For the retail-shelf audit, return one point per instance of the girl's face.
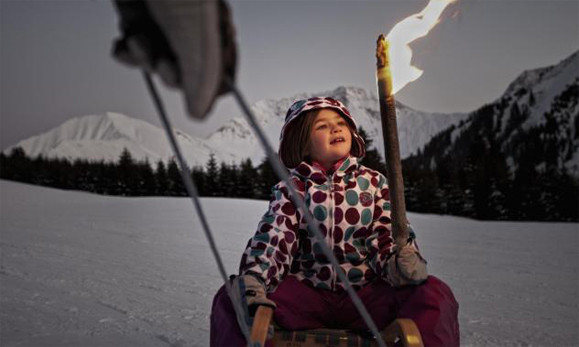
(330, 138)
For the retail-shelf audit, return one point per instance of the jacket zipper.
(331, 225)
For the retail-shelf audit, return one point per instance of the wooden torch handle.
(391, 143)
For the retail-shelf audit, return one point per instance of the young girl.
(284, 267)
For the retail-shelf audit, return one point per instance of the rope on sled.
(194, 194)
(296, 198)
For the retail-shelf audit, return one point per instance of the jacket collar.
(316, 172)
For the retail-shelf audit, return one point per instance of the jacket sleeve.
(380, 243)
(270, 251)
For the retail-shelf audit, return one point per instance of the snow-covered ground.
(86, 270)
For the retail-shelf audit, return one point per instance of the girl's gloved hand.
(252, 290)
(406, 266)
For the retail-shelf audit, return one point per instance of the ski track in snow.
(85, 270)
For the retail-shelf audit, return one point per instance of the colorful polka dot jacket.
(352, 209)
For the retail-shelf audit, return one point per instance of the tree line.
(482, 175)
(475, 184)
(130, 177)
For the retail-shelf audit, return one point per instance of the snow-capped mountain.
(536, 119)
(416, 128)
(103, 137)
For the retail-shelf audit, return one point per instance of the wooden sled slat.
(405, 330)
(402, 332)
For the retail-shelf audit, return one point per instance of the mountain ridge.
(515, 158)
(103, 137)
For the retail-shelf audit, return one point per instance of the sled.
(401, 332)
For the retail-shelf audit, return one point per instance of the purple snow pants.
(431, 305)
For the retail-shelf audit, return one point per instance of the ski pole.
(194, 195)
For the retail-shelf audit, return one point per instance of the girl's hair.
(294, 151)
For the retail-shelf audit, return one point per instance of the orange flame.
(406, 31)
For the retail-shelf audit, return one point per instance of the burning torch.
(397, 41)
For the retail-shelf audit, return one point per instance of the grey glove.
(252, 290)
(143, 43)
(406, 266)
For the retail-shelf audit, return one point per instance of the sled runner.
(401, 332)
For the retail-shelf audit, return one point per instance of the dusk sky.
(55, 60)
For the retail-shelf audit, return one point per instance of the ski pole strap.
(193, 193)
(300, 204)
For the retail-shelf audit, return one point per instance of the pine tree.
(63, 173)
(267, 179)
(248, 177)
(162, 179)
(98, 173)
(2, 162)
(81, 174)
(212, 176)
(126, 169)
(176, 186)
(227, 181)
(148, 184)
(20, 166)
(200, 179)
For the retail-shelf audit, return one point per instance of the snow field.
(86, 270)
